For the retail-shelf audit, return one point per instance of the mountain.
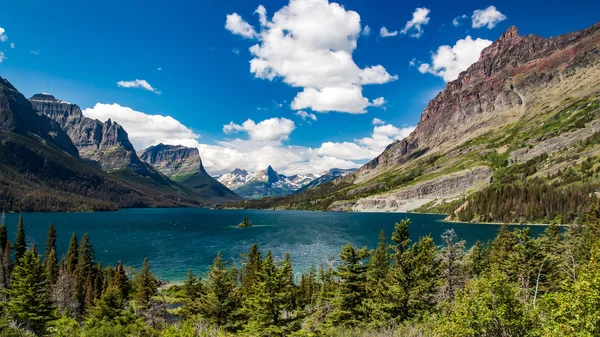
(326, 177)
(40, 168)
(514, 138)
(264, 183)
(184, 165)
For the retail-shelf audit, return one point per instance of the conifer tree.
(265, 305)
(377, 286)
(85, 257)
(289, 288)
(219, 303)
(452, 254)
(477, 260)
(29, 295)
(251, 270)
(145, 286)
(424, 277)
(51, 268)
(50, 241)
(20, 244)
(120, 281)
(401, 271)
(308, 288)
(351, 291)
(72, 254)
(65, 292)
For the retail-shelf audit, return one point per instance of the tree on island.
(246, 223)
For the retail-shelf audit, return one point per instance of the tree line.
(514, 285)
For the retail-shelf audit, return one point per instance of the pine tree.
(424, 277)
(377, 287)
(85, 258)
(50, 241)
(477, 259)
(219, 303)
(145, 286)
(20, 244)
(289, 287)
(120, 281)
(401, 271)
(29, 295)
(452, 254)
(65, 292)
(51, 268)
(72, 254)
(251, 270)
(351, 291)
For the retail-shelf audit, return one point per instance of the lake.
(176, 239)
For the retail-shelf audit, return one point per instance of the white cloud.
(264, 146)
(309, 44)
(487, 17)
(304, 115)
(366, 31)
(420, 18)
(379, 102)
(448, 62)
(2, 57)
(235, 24)
(273, 129)
(144, 129)
(384, 32)
(3, 36)
(412, 62)
(262, 14)
(141, 84)
(457, 20)
(35, 52)
(377, 121)
(12, 45)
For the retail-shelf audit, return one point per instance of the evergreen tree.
(85, 258)
(145, 286)
(72, 254)
(20, 244)
(377, 286)
(51, 268)
(452, 254)
(477, 259)
(29, 295)
(265, 305)
(219, 302)
(351, 291)
(424, 277)
(120, 281)
(50, 241)
(251, 270)
(65, 293)
(401, 271)
(289, 288)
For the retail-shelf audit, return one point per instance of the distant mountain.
(40, 168)
(264, 183)
(184, 165)
(326, 177)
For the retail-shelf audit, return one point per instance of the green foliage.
(20, 244)
(29, 295)
(219, 302)
(144, 286)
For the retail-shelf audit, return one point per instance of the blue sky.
(200, 75)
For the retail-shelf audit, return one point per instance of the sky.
(302, 85)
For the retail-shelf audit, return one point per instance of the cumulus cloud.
(379, 102)
(488, 17)
(273, 129)
(3, 37)
(419, 19)
(309, 45)
(457, 20)
(141, 84)
(448, 62)
(235, 24)
(384, 135)
(144, 129)
(384, 32)
(304, 115)
(366, 31)
(377, 121)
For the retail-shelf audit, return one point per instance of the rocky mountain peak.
(509, 34)
(44, 97)
(239, 171)
(173, 160)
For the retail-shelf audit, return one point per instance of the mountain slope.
(264, 183)
(184, 165)
(518, 124)
(40, 169)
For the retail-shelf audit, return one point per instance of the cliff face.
(105, 144)
(17, 115)
(173, 160)
(511, 76)
(184, 165)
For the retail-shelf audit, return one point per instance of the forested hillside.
(514, 285)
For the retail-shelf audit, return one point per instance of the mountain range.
(267, 182)
(514, 138)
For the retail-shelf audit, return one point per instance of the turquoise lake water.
(180, 238)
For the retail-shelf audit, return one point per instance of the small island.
(245, 224)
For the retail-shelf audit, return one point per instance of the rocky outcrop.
(406, 199)
(173, 160)
(105, 144)
(18, 116)
(184, 165)
(511, 75)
